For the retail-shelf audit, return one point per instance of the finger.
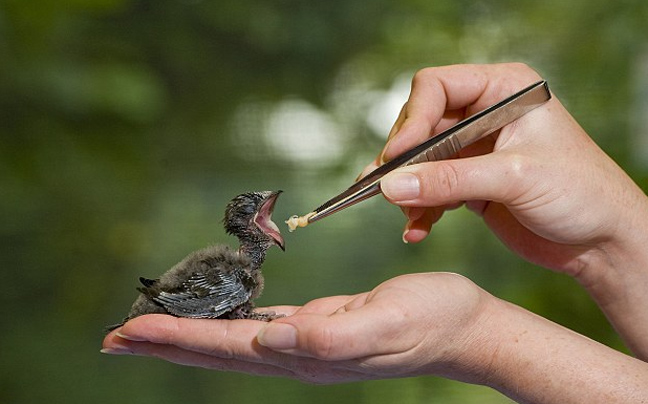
(399, 122)
(365, 331)
(493, 177)
(436, 90)
(369, 168)
(448, 119)
(418, 229)
(174, 354)
(271, 363)
(427, 103)
(225, 339)
(114, 344)
(326, 305)
(378, 161)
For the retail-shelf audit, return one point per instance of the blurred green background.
(126, 126)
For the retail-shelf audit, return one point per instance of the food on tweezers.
(298, 221)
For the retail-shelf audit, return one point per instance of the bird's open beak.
(263, 219)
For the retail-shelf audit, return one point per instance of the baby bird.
(218, 282)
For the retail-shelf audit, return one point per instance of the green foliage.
(127, 126)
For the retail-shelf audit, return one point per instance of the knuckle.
(423, 76)
(527, 72)
(226, 350)
(514, 75)
(445, 183)
(519, 170)
(519, 167)
(322, 344)
(520, 67)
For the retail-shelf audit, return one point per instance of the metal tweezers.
(442, 146)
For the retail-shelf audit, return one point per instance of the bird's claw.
(265, 315)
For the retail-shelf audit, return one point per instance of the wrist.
(618, 282)
(531, 359)
(476, 348)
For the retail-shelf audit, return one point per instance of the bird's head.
(249, 217)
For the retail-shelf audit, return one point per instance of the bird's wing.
(147, 282)
(206, 297)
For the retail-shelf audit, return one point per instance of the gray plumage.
(217, 281)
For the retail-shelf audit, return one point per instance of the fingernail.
(278, 336)
(387, 154)
(366, 171)
(407, 229)
(116, 351)
(400, 187)
(383, 160)
(128, 337)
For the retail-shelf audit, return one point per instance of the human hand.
(419, 324)
(541, 184)
(410, 325)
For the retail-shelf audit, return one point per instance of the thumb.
(486, 177)
(340, 336)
